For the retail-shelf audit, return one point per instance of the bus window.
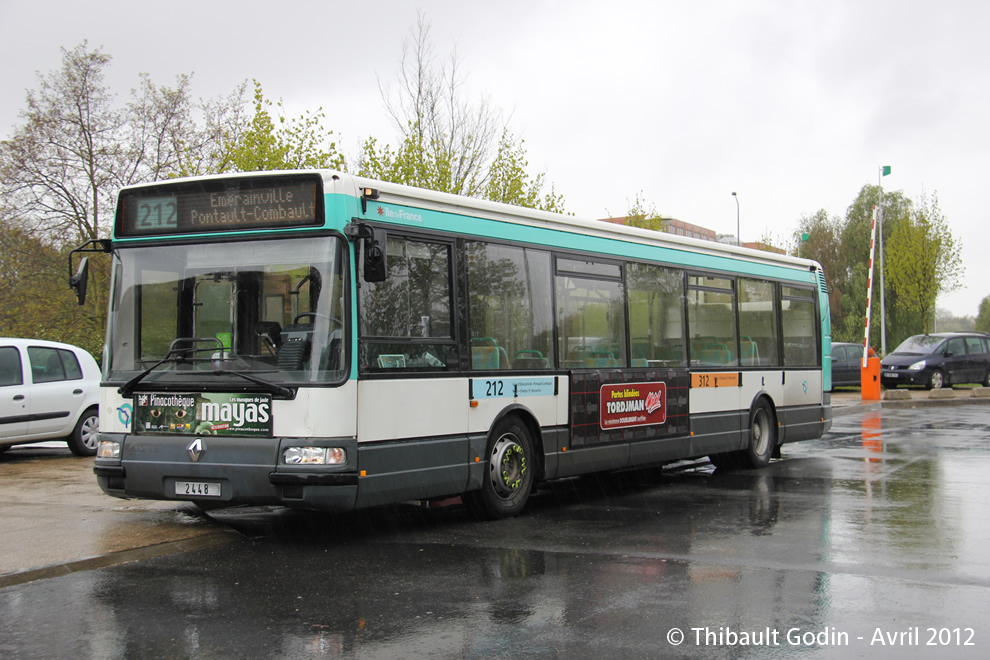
(656, 315)
(712, 321)
(757, 324)
(797, 311)
(590, 322)
(509, 315)
(410, 305)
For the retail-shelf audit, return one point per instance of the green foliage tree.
(278, 143)
(447, 143)
(644, 214)
(983, 316)
(901, 321)
(60, 173)
(923, 260)
(825, 246)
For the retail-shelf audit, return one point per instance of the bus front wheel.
(509, 473)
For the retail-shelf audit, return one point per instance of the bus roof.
(341, 183)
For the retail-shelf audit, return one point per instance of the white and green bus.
(318, 340)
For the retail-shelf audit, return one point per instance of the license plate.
(890, 374)
(197, 489)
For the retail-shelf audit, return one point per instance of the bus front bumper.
(232, 471)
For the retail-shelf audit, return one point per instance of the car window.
(838, 353)
(10, 366)
(72, 369)
(46, 364)
(855, 352)
(975, 345)
(955, 346)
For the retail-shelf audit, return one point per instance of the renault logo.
(196, 449)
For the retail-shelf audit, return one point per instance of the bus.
(318, 340)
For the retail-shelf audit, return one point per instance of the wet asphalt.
(870, 542)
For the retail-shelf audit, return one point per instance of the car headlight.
(917, 366)
(314, 456)
(108, 449)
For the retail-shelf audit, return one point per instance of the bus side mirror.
(374, 243)
(78, 281)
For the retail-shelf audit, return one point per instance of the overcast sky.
(793, 105)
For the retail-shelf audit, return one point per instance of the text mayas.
(238, 413)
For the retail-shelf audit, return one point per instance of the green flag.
(886, 170)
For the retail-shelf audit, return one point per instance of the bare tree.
(446, 142)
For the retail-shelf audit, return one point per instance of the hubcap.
(507, 466)
(90, 432)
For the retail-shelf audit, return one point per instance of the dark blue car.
(938, 360)
(847, 361)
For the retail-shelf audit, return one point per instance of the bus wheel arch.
(512, 466)
(762, 438)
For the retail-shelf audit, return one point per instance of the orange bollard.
(869, 379)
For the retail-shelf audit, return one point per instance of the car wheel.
(986, 379)
(85, 437)
(936, 380)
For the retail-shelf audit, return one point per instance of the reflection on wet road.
(868, 543)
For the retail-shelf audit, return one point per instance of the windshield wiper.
(275, 388)
(127, 389)
(174, 355)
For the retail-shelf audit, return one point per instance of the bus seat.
(484, 357)
(484, 353)
(530, 359)
(601, 359)
(749, 352)
(296, 340)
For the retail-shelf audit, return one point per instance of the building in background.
(681, 228)
(678, 227)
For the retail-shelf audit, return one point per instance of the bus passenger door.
(213, 311)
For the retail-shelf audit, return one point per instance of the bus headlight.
(108, 449)
(314, 456)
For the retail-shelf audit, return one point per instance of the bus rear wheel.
(509, 474)
(762, 436)
(762, 442)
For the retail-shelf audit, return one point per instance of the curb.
(120, 557)
(946, 399)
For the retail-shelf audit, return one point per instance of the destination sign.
(221, 205)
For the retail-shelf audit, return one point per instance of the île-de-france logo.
(398, 214)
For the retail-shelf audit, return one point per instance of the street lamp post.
(738, 238)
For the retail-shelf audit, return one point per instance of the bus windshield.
(218, 315)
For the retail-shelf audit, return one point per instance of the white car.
(48, 391)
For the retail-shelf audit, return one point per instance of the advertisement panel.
(203, 413)
(633, 404)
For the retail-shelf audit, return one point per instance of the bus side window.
(509, 313)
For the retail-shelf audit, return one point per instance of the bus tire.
(762, 436)
(509, 474)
